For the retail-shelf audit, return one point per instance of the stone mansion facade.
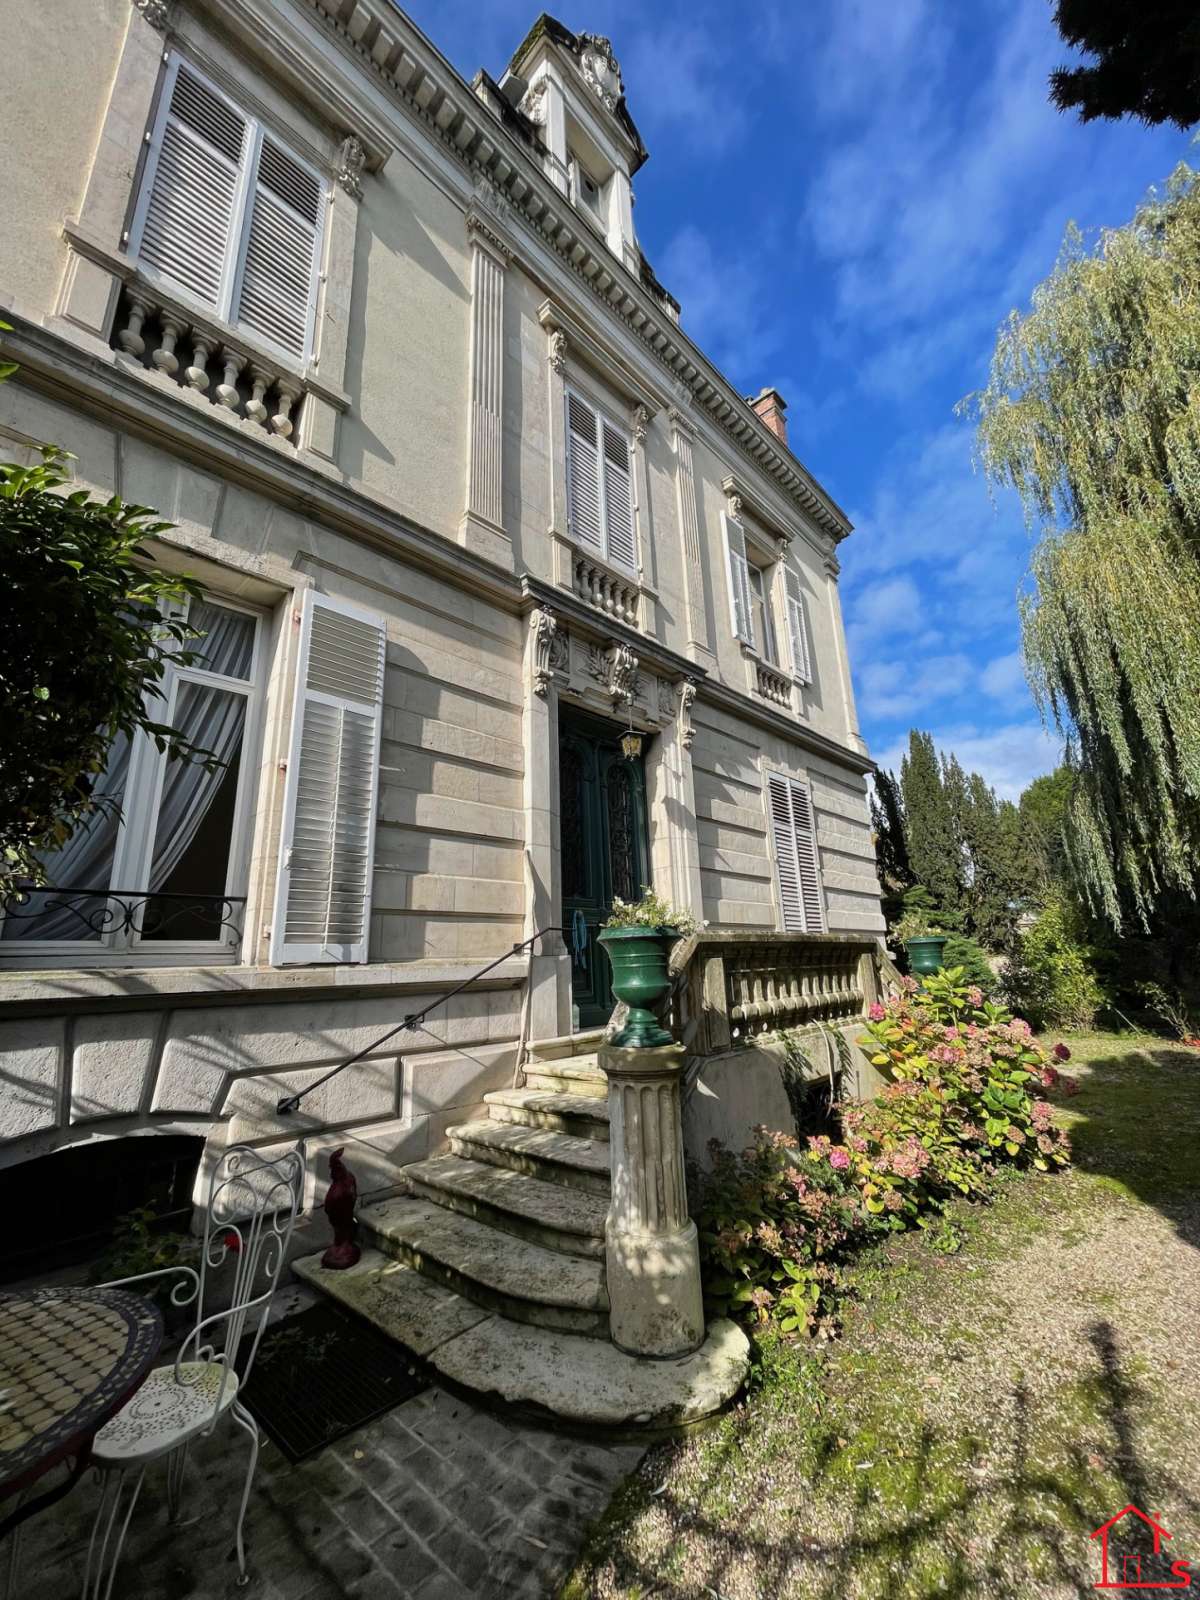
(467, 504)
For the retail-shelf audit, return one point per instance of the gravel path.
(985, 1409)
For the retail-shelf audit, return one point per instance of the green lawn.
(1004, 1383)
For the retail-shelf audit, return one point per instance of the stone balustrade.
(602, 589)
(773, 685)
(731, 987)
(199, 356)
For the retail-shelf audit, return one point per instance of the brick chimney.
(770, 406)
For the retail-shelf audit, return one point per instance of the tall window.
(229, 216)
(764, 622)
(794, 833)
(599, 482)
(159, 870)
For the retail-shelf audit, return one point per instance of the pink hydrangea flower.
(1061, 1053)
(876, 1012)
(975, 995)
(839, 1159)
(1049, 1077)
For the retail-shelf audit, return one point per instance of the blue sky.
(847, 197)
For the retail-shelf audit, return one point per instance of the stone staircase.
(491, 1264)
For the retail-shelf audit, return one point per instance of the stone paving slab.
(436, 1501)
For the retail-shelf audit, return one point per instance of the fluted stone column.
(651, 1249)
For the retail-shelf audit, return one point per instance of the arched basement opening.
(61, 1208)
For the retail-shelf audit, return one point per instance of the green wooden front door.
(602, 818)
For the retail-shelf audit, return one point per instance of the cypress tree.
(930, 829)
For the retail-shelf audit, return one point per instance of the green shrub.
(1052, 976)
(971, 957)
(966, 1096)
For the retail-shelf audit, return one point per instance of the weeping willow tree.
(1092, 412)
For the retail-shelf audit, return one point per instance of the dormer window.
(586, 192)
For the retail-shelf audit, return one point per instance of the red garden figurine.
(340, 1200)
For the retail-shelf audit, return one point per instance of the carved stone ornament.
(479, 232)
(560, 651)
(735, 507)
(641, 422)
(544, 626)
(352, 161)
(558, 350)
(622, 673)
(687, 697)
(600, 69)
(533, 103)
(156, 12)
(666, 698)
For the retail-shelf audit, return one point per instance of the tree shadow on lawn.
(1135, 1126)
(1036, 1519)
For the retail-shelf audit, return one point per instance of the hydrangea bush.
(967, 1095)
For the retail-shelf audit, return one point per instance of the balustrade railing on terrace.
(730, 987)
(615, 596)
(200, 356)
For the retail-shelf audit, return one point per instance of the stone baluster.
(130, 337)
(652, 1256)
(260, 382)
(164, 358)
(202, 349)
(289, 393)
(227, 390)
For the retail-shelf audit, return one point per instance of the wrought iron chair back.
(251, 1210)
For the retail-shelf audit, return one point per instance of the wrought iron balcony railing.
(151, 914)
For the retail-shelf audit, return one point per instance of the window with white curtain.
(159, 870)
(228, 215)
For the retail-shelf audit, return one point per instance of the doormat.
(321, 1374)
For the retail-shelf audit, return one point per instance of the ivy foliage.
(1092, 412)
(88, 631)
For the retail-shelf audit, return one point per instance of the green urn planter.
(925, 953)
(640, 977)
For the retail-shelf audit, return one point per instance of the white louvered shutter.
(277, 284)
(323, 900)
(738, 567)
(783, 831)
(797, 627)
(794, 834)
(189, 210)
(583, 472)
(805, 829)
(618, 496)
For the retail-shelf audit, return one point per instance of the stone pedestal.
(652, 1254)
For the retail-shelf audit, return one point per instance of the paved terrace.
(438, 1500)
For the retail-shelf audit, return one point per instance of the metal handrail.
(289, 1102)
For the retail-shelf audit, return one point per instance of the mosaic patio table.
(69, 1360)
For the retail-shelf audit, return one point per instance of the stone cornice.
(604, 361)
(400, 57)
(335, 96)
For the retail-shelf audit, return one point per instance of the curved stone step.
(512, 1276)
(583, 1383)
(555, 1157)
(578, 1075)
(576, 1114)
(548, 1214)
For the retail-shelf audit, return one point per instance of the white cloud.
(891, 690)
(1004, 678)
(1008, 757)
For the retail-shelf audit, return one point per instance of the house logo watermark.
(1123, 1569)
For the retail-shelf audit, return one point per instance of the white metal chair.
(251, 1211)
